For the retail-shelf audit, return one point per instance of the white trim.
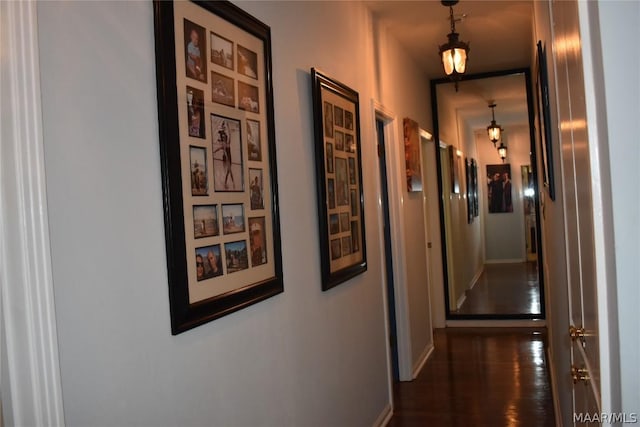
(384, 417)
(555, 392)
(461, 300)
(422, 360)
(31, 386)
(475, 279)
(507, 323)
(396, 202)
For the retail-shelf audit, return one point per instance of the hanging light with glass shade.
(494, 130)
(454, 53)
(502, 151)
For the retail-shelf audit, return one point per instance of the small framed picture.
(195, 49)
(236, 256)
(233, 218)
(329, 157)
(339, 185)
(227, 154)
(338, 116)
(339, 138)
(247, 62)
(254, 148)
(331, 193)
(198, 161)
(208, 262)
(256, 190)
(334, 224)
(348, 120)
(248, 97)
(328, 120)
(344, 221)
(336, 252)
(257, 242)
(205, 221)
(195, 112)
(222, 89)
(221, 51)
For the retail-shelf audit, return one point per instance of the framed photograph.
(474, 182)
(220, 258)
(499, 193)
(411, 131)
(469, 190)
(544, 120)
(339, 187)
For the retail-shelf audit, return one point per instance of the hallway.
(479, 377)
(511, 288)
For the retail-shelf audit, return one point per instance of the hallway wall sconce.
(502, 151)
(494, 130)
(454, 52)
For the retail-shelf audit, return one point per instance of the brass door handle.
(577, 334)
(579, 374)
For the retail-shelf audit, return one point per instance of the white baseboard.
(476, 277)
(506, 323)
(384, 417)
(554, 387)
(505, 261)
(422, 360)
(461, 301)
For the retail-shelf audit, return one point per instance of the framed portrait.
(499, 191)
(469, 188)
(338, 179)
(544, 120)
(411, 131)
(222, 235)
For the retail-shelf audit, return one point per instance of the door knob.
(579, 374)
(577, 334)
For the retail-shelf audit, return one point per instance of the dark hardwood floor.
(505, 289)
(479, 377)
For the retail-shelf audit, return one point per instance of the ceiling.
(500, 38)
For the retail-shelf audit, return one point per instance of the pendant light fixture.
(494, 130)
(502, 151)
(454, 52)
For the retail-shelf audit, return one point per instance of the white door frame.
(30, 374)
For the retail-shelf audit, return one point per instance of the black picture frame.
(544, 120)
(196, 297)
(342, 249)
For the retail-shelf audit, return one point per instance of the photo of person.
(339, 140)
(348, 120)
(338, 116)
(205, 221)
(355, 237)
(248, 96)
(346, 245)
(328, 120)
(352, 171)
(329, 148)
(256, 189)
(221, 51)
(499, 188)
(253, 140)
(195, 48)
(342, 183)
(344, 221)
(198, 161)
(222, 91)
(331, 193)
(227, 154)
(335, 249)
(195, 112)
(247, 62)
(233, 218)
(208, 262)
(334, 224)
(258, 243)
(354, 202)
(237, 256)
(349, 143)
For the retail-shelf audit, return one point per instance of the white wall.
(504, 233)
(305, 357)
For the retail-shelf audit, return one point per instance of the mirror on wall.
(489, 209)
